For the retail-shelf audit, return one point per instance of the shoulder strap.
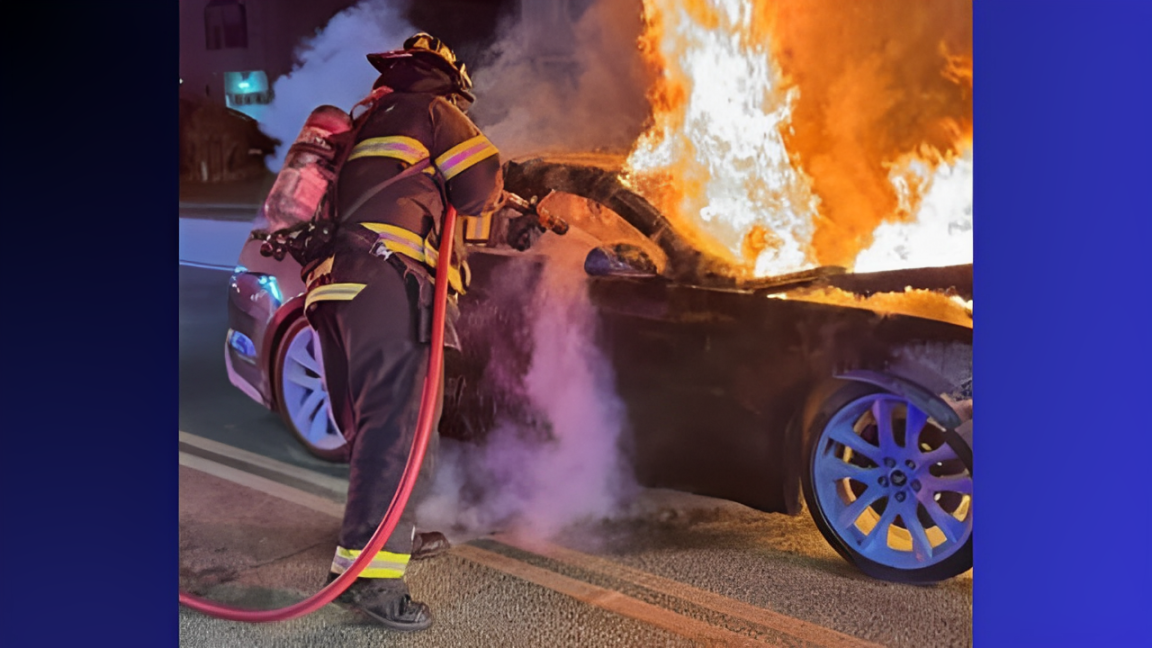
(406, 173)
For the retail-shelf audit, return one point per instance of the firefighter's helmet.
(428, 48)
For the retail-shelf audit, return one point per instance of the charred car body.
(741, 389)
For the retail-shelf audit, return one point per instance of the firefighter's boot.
(387, 602)
(429, 545)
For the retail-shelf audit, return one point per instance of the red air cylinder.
(309, 169)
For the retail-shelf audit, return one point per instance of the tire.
(301, 395)
(899, 514)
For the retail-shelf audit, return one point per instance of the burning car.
(848, 392)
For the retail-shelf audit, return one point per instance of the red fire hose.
(407, 481)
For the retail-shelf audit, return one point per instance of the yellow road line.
(802, 630)
(615, 602)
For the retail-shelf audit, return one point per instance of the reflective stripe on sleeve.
(385, 565)
(477, 228)
(405, 149)
(333, 292)
(462, 157)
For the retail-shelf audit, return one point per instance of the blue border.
(1062, 237)
(89, 476)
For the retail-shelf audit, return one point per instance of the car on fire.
(752, 390)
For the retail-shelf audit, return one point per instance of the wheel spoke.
(882, 411)
(298, 376)
(913, 426)
(301, 355)
(921, 546)
(844, 434)
(848, 516)
(312, 403)
(950, 526)
(319, 427)
(941, 454)
(880, 531)
(833, 469)
(952, 484)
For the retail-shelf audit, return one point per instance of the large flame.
(789, 135)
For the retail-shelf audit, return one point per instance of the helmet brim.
(382, 61)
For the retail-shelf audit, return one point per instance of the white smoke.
(557, 84)
(520, 480)
(331, 68)
(550, 83)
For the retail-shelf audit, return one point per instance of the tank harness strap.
(398, 147)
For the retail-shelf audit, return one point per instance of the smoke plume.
(569, 469)
(554, 84)
(553, 80)
(880, 81)
(331, 68)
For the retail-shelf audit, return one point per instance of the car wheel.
(886, 489)
(298, 374)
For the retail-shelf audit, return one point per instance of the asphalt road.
(258, 518)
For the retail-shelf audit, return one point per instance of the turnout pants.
(375, 362)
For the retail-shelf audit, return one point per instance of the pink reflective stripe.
(459, 162)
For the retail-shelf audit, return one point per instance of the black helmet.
(427, 48)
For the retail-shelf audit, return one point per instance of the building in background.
(233, 51)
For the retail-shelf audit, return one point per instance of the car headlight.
(242, 344)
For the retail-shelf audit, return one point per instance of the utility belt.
(403, 256)
(387, 242)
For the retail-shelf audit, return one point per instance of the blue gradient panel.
(1061, 353)
(89, 475)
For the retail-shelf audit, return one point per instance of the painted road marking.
(263, 484)
(337, 486)
(802, 630)
(609, 600)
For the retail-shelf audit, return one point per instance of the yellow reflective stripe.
(319, 271)
(385, 564)
(333, 292)
(402, 148)
(477, 228)
(408, 243)
(461, 157)
(396, 231)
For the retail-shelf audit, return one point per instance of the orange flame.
(784, 134)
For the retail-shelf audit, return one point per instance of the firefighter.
(370, 299)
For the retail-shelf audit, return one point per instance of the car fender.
(285, 315)
(933, 405)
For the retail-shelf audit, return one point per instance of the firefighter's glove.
(524, 231)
